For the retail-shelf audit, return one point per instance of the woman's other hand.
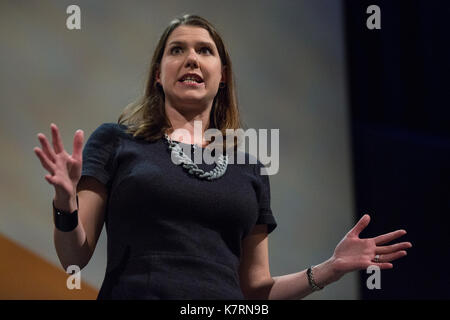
(353, 253)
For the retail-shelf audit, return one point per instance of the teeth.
(189, 80)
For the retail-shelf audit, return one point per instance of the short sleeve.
(265, 215)
(99, 153)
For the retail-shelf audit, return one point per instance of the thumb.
(360, 225)
(49, 179)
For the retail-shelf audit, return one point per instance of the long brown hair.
(146, 118)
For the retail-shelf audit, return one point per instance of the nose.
(191, 60)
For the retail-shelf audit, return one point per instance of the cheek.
(216, 73)
(167, 72)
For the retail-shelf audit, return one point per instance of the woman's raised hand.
(64, 169)
(353, 253)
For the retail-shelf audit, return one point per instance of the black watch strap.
(65, 221)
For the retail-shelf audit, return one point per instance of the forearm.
(71, 247)
(295, 285)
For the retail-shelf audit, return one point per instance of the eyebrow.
(202, 43)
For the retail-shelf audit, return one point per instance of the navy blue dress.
(171, 235)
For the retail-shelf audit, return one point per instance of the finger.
(393, 248)
(49, 179)
(382, 265)
(392, 256)
(53, 180)
(56, 137)
(46, 163)
(388, 237)
(361, 225)
(47, 148)
(78, 145)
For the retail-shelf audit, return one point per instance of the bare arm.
(77, 246)
(256, 281)
(296, 285)
(351, 254)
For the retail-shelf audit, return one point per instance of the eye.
(206, 50)
(175, 50)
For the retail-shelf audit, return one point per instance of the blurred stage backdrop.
(291, 67)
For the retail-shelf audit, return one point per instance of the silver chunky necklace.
(182, 158)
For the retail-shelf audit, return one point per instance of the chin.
(191, 97)
(190, 100)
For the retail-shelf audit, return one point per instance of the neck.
(188, 124)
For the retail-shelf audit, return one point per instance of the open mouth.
(191, 79)
(191, 83)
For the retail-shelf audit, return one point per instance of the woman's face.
(190, 50)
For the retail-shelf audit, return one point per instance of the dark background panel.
(400, 124)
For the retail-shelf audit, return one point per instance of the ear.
(224, 74)
(158, 75)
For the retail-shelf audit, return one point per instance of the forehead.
(190, 34)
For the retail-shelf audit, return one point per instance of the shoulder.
(261, 169)
(111, 128)
(249, 161)
(107, 136)
(109, 131)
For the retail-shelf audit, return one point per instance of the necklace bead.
(182, 158)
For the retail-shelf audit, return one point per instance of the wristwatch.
(63, 220)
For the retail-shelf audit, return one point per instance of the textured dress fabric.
(171, 235)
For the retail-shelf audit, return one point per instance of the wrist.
(325, 273)
(67, 203)
(65, 221)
